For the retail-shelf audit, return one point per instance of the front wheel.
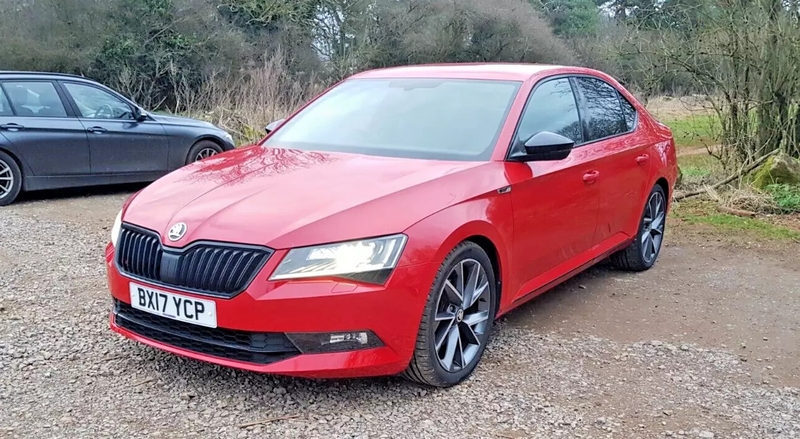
(644, 250)
(458, 318)
(202, 150)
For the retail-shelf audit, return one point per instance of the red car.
(382, 228)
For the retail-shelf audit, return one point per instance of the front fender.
(432, 239)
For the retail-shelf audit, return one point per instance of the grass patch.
(698, 169)
(694, 130)
(706, 214)
(787, 197)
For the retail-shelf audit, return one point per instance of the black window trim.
(8, 100)
(583, 106)
(546, 79)
(63, 85)
(70, 114)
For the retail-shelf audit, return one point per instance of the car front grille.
(250, 347)
(211, 268)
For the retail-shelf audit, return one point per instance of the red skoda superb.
(382, 228)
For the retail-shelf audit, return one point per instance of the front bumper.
(392, 312)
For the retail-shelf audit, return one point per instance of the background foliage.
(241, 61)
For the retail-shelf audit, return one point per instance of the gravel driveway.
(707, 344)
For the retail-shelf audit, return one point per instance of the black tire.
(9, 166)
(200, 147)
(425, 367)
(633, 257)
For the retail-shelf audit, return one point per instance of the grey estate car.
(60, 131)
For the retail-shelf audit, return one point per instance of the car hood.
(285, 198)
(170, 119)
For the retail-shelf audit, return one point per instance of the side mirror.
(271, 127)
(546, 146)
(139, 114)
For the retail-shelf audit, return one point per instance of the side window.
(551, 108)
(35, 99)
(94, 103)
(629, 112)
(605, 115)
(5, 107)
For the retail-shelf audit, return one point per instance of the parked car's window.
(630, 113)
(35, 99)
(445, 119)
(94, 103)
(5, 106)
(605, 116)
(552, 108)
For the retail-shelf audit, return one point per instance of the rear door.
(42, 129)
(555, 202)
(624, 164)
(118, 143)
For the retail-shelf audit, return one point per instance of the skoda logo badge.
(177, 231)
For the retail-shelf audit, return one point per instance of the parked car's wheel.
(458, 318)
(643, 252)
(10, 179)
(203, 150)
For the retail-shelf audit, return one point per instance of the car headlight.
(116, 229)
(369, 260)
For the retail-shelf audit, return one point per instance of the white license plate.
(174, 306)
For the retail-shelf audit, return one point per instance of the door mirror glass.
(546, 146)
(272, 126)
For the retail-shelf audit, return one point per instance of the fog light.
(360, 337)
(322, 342)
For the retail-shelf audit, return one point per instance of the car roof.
(507, 71)
(39, 75)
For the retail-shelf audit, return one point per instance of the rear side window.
(5, 107)
(35, 99)
(629, 112)
(605, 116)
(552, 108)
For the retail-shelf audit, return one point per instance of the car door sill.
(35, 183)
(595, 255)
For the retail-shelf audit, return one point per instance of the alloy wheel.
(205, 153)
(6, 179)
(653, 227)
(462, 315)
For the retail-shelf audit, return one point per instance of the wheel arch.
(665, 185)
(23, 169)
(490, 248)
(483, 233)
(218, 140)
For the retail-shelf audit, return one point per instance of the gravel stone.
(548, 372)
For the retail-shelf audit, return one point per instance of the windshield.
(441, 119)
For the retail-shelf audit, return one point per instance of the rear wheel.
(203, 150)
(457, 321)
(10, 179)
(643, 252)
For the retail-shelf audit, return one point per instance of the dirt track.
(705, 344)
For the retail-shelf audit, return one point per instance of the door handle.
(642, 159)
(96, 130)
(12, 127)
(591, 177)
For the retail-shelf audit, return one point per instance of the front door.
(36, 122)
(555, 202)
(118, 143)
